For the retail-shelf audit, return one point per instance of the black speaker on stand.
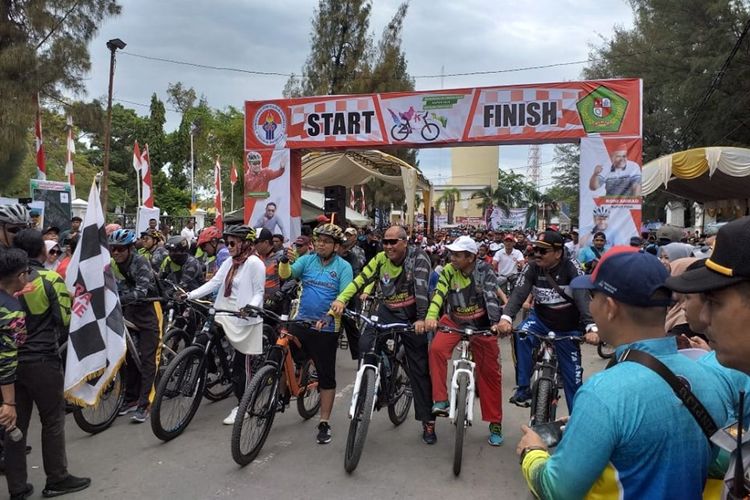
(334, 204)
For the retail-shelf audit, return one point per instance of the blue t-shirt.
(221, 256)
(320, 285)
(630, 436)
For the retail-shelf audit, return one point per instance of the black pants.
(417, 365)
(40, 383)
(352, 335)
(139, 386)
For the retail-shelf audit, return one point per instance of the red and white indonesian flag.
(363, 203)
(71, 150)
(233, 174)
(219, 223)
(147, 187)
(137, 158)
(96, 344)
(41, 166)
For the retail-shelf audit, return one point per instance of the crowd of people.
(663, 302)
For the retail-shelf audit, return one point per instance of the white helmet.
(15, 214)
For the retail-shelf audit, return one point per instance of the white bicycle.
(462, 390)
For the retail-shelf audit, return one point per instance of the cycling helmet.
(331, 230)
(208, 234)
(15, 214)
(246, 233)
(177, 244)
(153, 233)
(111, 228)
(121, 237)
(601, 211)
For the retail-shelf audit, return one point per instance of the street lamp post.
(112, 45)
(193, 130)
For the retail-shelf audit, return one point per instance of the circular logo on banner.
(269, 123)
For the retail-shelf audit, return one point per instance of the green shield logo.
(602, 110)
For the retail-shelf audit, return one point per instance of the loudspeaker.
(334, 202)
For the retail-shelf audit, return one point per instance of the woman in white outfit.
(240, 281)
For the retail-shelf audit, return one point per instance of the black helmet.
(246, 233)
(177, 244)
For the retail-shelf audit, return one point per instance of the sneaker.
(141, 414)
(428, 433)
(522, 397)
(231, 417)
(496, 435)
(127, 408)
(281, 403)
(441, 409)
(324, 433)
(26, 493)
(70, 484)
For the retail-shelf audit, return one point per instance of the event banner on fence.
(489, 115)
(515, 218)
(610, 189)
(267, 186)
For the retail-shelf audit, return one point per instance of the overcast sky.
(457, 35)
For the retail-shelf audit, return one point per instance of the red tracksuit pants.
(487, 375)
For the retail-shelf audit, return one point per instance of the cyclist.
(214, 250)
(13, 218)
(39, 377)
(547, 277)
(323, 275)
(180, 267)
(508, 261)
(466, 294)
(238, 282)
(355, 256)
(403, 273)
(152, 248)
(270, 258)
(136, 282)
(590, 256)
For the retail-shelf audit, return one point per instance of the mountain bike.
(382, 380)
(545, 377)
(462, 390)
(271, 390)
(203, 368)
(429, 131)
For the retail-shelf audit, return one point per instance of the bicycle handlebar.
(467, 331)
(551, 336)
(378, 326)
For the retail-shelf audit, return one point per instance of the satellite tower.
(533, 165)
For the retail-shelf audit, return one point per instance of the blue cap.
(628, 276)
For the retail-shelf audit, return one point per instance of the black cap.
(51, 229)
(729, 263)
(263, 235)
(76, 218)
(549, 239)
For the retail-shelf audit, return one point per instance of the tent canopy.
(701, 174)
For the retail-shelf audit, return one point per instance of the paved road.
(128, 461)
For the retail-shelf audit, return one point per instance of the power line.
(207, 66)
(142, 104)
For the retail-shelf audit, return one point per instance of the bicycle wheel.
(218, 382)
(308, 402)
(399, 132)
(95, 419)
(255, 416)
(179, 394)
(355, 440)
(605, 350)
(430, 132)
(540, 402)
(175, 341)
(401, 398)
(460, 421)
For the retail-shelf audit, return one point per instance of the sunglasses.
(231, 244)
(539, 251)
(25, 271)
(54, 252)
(118, 249)
(392, 242)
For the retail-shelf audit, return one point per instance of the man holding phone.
(629, 434)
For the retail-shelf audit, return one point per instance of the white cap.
(49, 245)
(463, 244)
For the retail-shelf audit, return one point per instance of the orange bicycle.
(271, 389)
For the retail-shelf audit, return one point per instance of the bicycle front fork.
(366, 363)
(467, 367)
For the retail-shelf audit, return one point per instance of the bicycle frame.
(463, 365)
(283, 362)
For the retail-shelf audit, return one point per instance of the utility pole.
(112, 45)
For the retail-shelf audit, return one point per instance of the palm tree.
(484, 196)
(449, 198)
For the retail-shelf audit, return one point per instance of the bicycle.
(462, 390)
(186, 380)
(604, 350)
(430, 130)
(263, 395)
(545, 377)
(373, 391)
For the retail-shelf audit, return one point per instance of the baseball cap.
(51, 229)
(263, 235)
(463, 244)
(302, 240)
(549, 239)
(350, 231)
(509, 237)
(729, 263)
(628, 276)
(322, 219)
(76, 218)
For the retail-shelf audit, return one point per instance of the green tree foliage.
(43, 50)
(448, 199)
(565, 178)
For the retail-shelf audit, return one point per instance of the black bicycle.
(382, 380)
(203, 368)
(545, 377)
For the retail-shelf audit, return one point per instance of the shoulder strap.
(680, 389)
(557, 288)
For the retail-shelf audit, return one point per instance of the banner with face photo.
(266, 190)
(610, 189)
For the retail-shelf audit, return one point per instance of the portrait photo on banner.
(610, 189)
(267, 198)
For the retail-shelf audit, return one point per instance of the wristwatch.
(530, 448)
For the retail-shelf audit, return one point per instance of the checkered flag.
(96, 344)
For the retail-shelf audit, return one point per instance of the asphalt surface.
(128, 461)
